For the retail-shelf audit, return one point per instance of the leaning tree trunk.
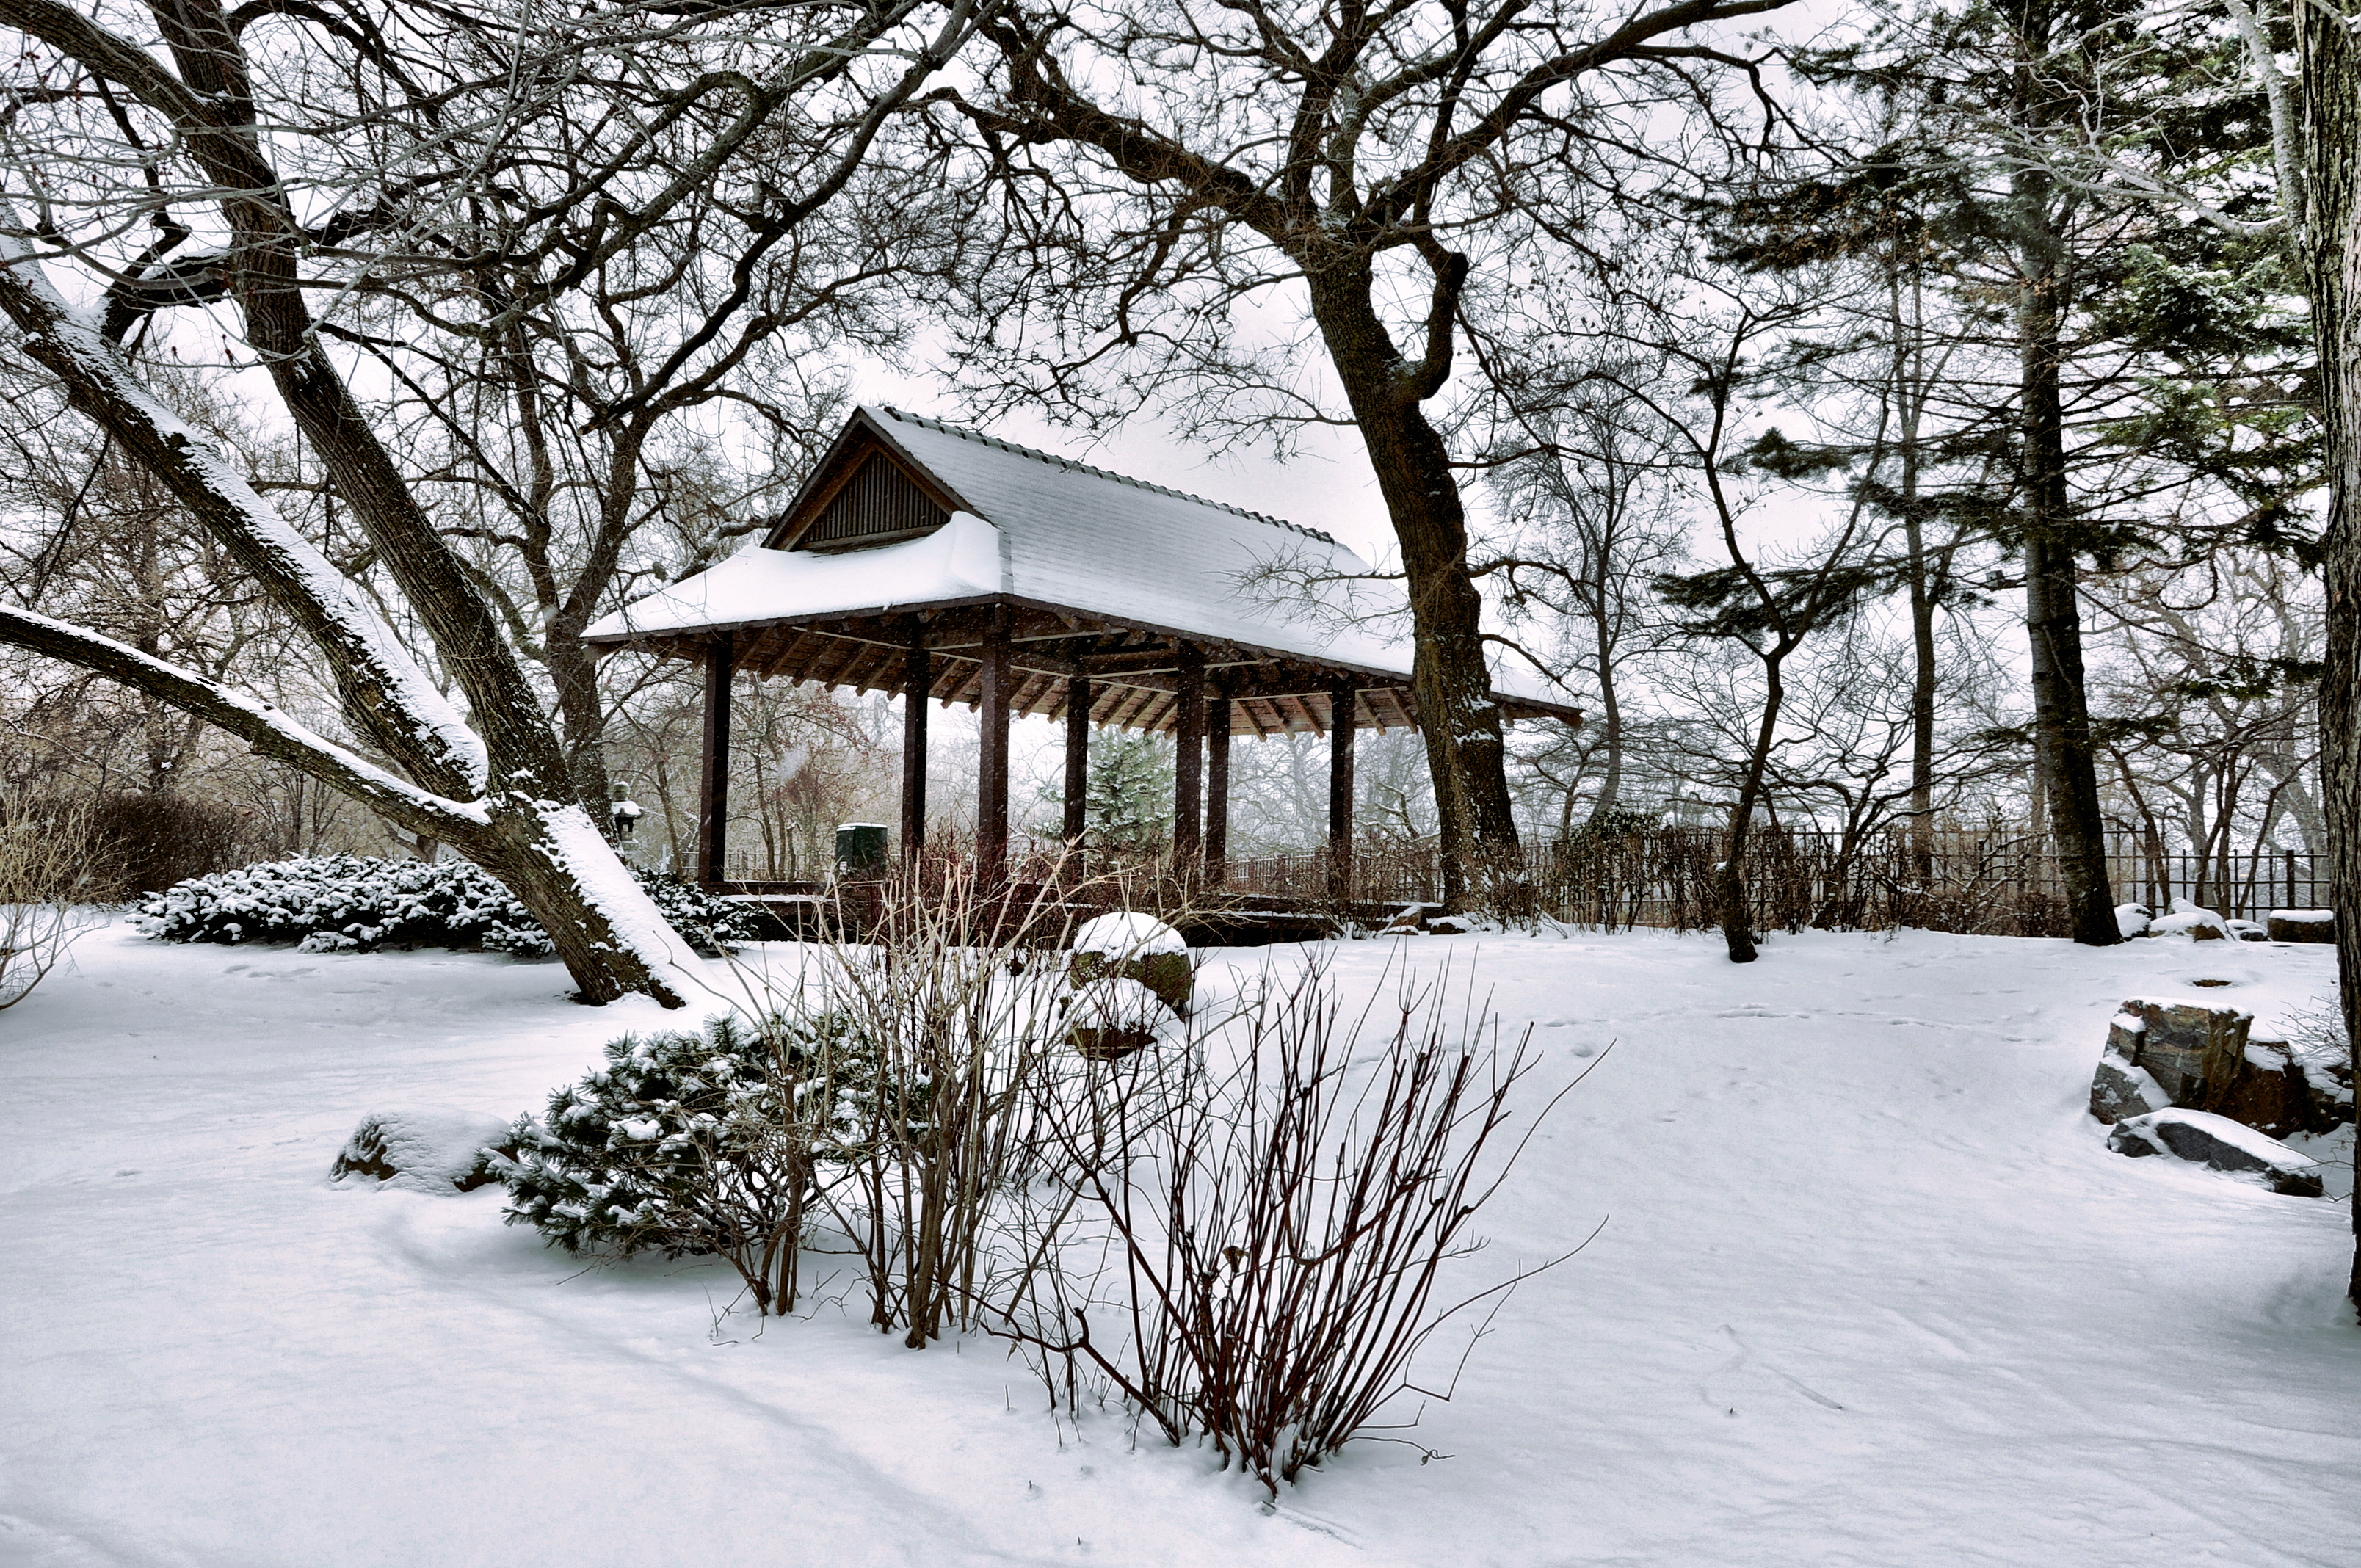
(1450, 677)
(2331, 74)
(2053, 610)
(501, 791)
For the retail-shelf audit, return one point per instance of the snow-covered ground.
(1871, 1291)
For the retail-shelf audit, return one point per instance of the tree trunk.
(2329, 58)
(2053, 611)
(1610, 713)
(1729, 877)
(1450, 677)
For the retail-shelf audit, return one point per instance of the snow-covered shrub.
(692, 1144)
(353, 904)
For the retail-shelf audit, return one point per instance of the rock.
(2201, 1058)
(1110, 1017)
(2188, 920)
(1449, 925)
(2302, 925)
(1135, 947)
(2119, 1090)
(2182, 1046)
(2132, 919)
(2218, 1143)
(426, 1148)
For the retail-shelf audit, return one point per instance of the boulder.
(1112, 1017)
(2180, 1045)
(2188, 920)
(2201, 1058)
(2119, 1090)
(2132, 919)
(2218, 1143)
(2302, 925)
(1135, 948)
(426, 1148)
(1449, 926)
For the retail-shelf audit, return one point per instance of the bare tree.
(358, 153)
(1174, 164)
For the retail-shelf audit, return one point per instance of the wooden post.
(1340, 696)
(713, 763)
(1188, 763)
(1217, 786)
(1078, 698)
(992, 779)
(917, 689)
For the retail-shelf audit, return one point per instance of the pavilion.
(927, 561)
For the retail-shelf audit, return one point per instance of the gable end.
(877, 504)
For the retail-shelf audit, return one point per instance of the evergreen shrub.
(693, 1144)
(356, 903)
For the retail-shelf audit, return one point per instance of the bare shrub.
(1254, 1249)
(44, 890)
(959, 991)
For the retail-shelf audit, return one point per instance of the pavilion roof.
(1087, 552)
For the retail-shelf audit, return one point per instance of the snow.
(1123, 935)
(431, 1148)
(2187, 920)
(2306, 916)
(956, 562)
(1871, 1291)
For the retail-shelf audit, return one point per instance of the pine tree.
(1127, 800)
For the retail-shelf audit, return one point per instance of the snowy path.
(1870, 1292)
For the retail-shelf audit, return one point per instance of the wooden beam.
(917, 681)
(1340, 790)
(713, 764)
(1188, 763)
(1078, 754)
(992, 779)
(1217, 786)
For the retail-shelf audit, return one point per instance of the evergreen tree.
(1127, 800)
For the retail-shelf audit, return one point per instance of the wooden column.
(992, 776)
(1341, 695)
(1217, 785)
(1079, 696)
(918, 690)
(1188, 762)
(713, 763)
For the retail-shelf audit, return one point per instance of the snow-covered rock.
(2218, 1143)
(2119, 1090)
(2188, 920)
(2132, 919)
(425, 1148)
(1128, 934)
(1134, 947)
(2302, 925)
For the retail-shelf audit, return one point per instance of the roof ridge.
(904, 416)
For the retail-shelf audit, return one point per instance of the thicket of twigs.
(45, 889)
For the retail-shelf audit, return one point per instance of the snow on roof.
(1046, 530)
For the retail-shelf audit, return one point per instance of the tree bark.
(1450, 677)
(2330, 59)
(2053, 611)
